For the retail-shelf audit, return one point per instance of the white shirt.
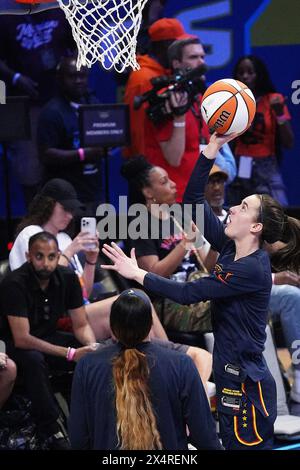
(17, 256)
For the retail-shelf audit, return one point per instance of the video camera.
(189, 81)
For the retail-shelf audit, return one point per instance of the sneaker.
(56, 442)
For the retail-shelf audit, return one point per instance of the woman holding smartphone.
(52, 210)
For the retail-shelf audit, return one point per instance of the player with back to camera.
(239, 290)
(136, 395)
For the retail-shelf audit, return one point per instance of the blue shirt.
(177, 395)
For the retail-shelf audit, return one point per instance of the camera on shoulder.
(189, 81)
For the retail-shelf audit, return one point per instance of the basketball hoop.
(104, 30)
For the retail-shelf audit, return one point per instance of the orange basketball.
(228, 106)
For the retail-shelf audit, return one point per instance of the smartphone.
(88, 224)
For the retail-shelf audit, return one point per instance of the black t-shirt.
(162, 238)
(58, 127)
(33, 44)
(21, 296)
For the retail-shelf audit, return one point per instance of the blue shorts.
(250, 424)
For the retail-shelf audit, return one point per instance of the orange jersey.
(138, 83)
(259, 139)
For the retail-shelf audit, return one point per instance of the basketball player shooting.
(239, 290)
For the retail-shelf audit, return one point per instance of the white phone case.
(88, 224)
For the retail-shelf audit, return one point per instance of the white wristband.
(178, 124)
(273, 278)
(15, 78)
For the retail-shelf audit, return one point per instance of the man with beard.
(33, 298)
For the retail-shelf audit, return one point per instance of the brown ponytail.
(288, 258)
(136, 422)
(131, 321)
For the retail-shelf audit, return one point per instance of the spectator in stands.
(285, 293)
(59, 140)
(240, 290)
(154, 64)
(157, 393)
(169, 254)
(8, 373)
(175, 148)
(30, 49)
(33, 298)
(53, 210)
(173, 142)
(257, 149)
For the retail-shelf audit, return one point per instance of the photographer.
(173, 143)
(162, 34)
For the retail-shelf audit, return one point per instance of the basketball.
(228, 106)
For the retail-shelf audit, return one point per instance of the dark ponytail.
(273, 218)
(137, 172)
(288, 258)
(130, 321)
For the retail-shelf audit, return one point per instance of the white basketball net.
(105, 31)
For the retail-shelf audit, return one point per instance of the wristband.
(179, 124)
(70, 354)
(15, 78)
(273, 278)
(81, 154)
(281, 119)
(92, 264)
